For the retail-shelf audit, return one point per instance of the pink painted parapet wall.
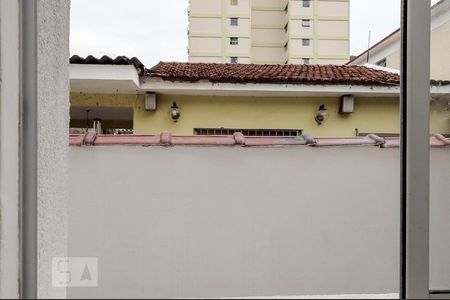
(168, 139)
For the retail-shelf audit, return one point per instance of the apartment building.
(269, 31)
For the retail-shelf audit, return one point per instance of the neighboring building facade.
(386, 53)
(218, 99)
(269, 31)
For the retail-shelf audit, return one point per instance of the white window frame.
(234, 60)
(415, 153)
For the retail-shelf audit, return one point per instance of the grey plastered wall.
(9, 148)
(53, 121)
(224, 222)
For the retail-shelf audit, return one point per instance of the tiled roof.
(252, 73)
(106, 60)
(238, 139)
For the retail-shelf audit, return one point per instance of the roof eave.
(208, 88)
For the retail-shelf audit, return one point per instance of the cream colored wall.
(263, 22)
(199, 7)
(243, 28)
(296, 48)
(324, 61)
(335, 28)
(393, 61)
(268, 19)
(333, 47)
(269, 4)
(242, 9)
(333, 8)
(268, 36)
(210, 59)
(372, 115)
(329, 32)
(271, 55)
(207, 45)
(296, 9)
(297, 30)
(440, 52)
(210, 26)
(242, 49)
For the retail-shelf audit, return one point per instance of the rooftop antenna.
(368, 46)
(87, 118)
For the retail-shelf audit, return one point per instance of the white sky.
(155, 30)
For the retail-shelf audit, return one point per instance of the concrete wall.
(232, 221)
(53, 122)
(9, 149)
(372, 115)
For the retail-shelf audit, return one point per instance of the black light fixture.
(175, 112)
(321, 114)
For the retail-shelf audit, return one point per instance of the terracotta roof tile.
(106, 60)
(252, 73)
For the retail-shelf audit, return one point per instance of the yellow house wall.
(372, 115)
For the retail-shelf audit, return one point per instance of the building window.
(234, 60)
(306, 3)
(249, 132)
(234, 41)
(306, 61)
(234, 2)
(234, 21)
(382, 63)
(306, 23)
(306, 42)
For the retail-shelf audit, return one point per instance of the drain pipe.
(28, 168)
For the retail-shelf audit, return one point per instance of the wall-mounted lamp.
(175, 112)
(321, 115)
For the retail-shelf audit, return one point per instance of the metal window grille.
(234, 41)
(234, 21)
(249, 132)
(234, 60)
